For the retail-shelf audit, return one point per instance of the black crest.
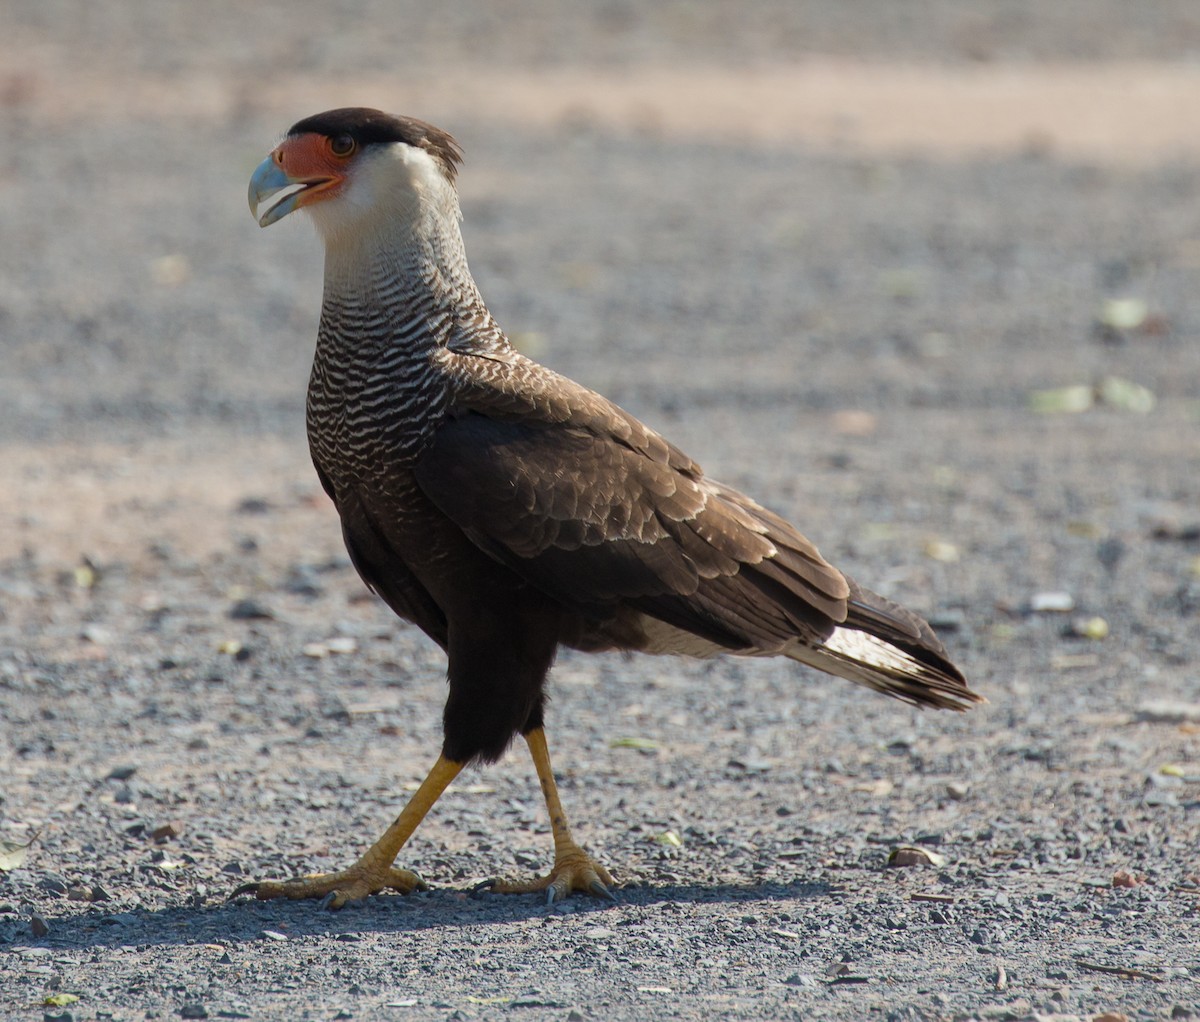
(374, 127)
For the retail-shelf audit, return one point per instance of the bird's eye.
(342, 145)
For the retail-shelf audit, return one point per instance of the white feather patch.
(873, 651)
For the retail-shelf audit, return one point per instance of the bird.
(508, 511)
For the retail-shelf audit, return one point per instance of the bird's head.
(346, 165)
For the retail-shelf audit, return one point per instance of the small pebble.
(1169, 713)
(193, 1009)
(1052, 603)
(948, 621)
(750, 765)
(274, 935)
(853, 422)
(801, 979)
(170, 270)
(1110, 551)
(941, 550)
(1095, 628)
(250, 610)
(532, 999)
(253, 506)
(912, 856)
(167, 831)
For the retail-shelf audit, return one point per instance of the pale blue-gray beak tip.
(267, 180)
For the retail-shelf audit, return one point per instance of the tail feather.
(892, 650)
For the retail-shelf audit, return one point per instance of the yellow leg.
(374, 871)
(573, 869)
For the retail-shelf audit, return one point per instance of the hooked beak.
(269, 179)
(303, 169)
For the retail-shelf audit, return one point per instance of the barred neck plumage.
(403, 289)
(398, 293)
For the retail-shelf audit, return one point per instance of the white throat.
(398, 209)
(395, 264)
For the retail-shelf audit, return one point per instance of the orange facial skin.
(318, 164)
(310, 160)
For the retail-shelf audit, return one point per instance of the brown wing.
(595, 509)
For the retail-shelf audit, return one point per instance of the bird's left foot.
(574, 870)
(336, 889)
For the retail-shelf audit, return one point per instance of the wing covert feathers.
(600, 512)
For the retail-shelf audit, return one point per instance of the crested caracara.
(506, 510)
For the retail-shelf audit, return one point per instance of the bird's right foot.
(336, 889)
(574, 870)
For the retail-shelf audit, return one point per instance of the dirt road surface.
(860, 260)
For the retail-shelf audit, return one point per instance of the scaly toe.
(574, 871)
(336, 889)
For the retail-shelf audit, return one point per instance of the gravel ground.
(196, 690)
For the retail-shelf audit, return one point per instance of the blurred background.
(924, 276)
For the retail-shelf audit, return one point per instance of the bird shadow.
(232, 922)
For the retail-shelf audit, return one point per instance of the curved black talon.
(600, 891)
(250, 888)
(484, 885)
